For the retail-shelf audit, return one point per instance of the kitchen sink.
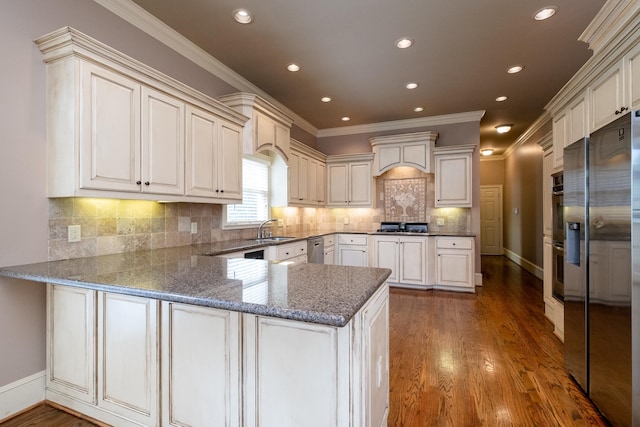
(274, 239)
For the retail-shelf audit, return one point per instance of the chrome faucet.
(261, 231)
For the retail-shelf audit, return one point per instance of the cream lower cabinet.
(352, 250)
(102, 355)
(329, 249)
(292, 252)
(406, 256)
(455, 263)
(201, 376)
(303, 374)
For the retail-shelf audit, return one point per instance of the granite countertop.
(324, 294)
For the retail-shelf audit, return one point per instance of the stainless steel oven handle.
(558, 247)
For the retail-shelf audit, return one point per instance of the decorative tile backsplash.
(405, 199)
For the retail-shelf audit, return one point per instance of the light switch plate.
(440, 221)
(74, 233)
(194, 227)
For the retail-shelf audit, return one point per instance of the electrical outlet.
(440, 221)
(346, 220)
(194, 227)
(73, 233)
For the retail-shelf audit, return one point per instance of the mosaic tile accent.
(405, 199)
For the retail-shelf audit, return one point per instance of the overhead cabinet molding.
(120, 129)
(409, 149)
(268, 128)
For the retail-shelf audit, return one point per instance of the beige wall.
(23, 216)
(492, 171)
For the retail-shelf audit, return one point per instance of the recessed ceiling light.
(501, 98)
(345, 119)
(545, 13)
(404, 43)
(486, 151)
(325, 99)
(293, 67)
(418, 109)
(411, 85)
(503, 128)
(515, 69)
(242, 16)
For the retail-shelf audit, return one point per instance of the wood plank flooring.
(489, 359)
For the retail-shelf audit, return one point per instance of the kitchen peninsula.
(172, 337)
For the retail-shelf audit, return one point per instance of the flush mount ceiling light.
(242, 16)
(503, 128)
(325, 99)
(411, 85)
(293, 67)
(501, 98)
(345, 119)
(404, 43)
(545, 13)
(515, 69)
(486, 151)
(418, 109)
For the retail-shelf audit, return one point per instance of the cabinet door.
(454, 267)
(338, 184)
(282, 141)
(109, 131)
(560, 138)
(606, 98)
(386, 255)
(375, 322)
(312, 186)
(329, 256)
(294, 182)
(577, 121)
(360, 184)
(202, 148)
(413, 261)
(453, 180)
(633, 79)
(321, 183)
(353, 256)
(303, 179)
(127, 356)
(71, 342)
(162, 143)
(200, 366)
(229, 161)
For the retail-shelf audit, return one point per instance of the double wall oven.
(558, 234)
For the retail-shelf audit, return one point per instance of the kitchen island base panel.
(294, 373)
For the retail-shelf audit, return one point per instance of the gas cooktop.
(404, 227)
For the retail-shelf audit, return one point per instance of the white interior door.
(491, 220)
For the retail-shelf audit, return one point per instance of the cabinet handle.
(222, 191)
(621, 110)
(217, 191)
(453, 244)
(146, 183)
(286, 253)
(138, 182)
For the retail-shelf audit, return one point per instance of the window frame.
(266, 160)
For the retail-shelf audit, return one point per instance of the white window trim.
(251, 224)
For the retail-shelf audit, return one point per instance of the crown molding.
(491, 158)
(527, 134)
(609, 21)
(446, 119)
(143, 20)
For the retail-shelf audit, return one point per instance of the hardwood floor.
(489, 359)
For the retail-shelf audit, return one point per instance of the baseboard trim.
(527, 265)
(478, 279)
(21, 395)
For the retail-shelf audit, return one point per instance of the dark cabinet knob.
(222, 191)
(138, 182)
(146, 183)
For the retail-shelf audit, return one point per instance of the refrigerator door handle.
(572, 249)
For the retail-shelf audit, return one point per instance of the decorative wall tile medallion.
(405, 200)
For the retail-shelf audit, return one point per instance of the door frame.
(499, 188)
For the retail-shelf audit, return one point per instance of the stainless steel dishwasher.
(315, 250)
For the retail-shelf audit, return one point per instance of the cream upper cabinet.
(307, 177)
(411, 149)
(117, 128)
(608, 99)
(632, 61)
(214, 156)
(560, 138)
(131, 137)
(349, 180)
(453, 172)
(268, 128)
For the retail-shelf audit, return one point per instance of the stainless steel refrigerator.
(602, 267)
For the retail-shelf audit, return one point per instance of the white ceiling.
(346, 50)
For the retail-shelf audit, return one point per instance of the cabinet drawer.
(292, 250)
(454, 243)
(329, 240)
(350, 239)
